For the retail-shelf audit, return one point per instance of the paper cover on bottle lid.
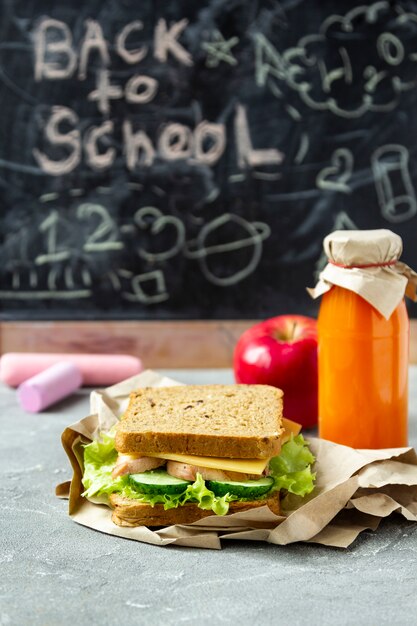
(366, 262)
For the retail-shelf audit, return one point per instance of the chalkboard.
(179, 160)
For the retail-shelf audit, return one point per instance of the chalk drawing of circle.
(257, 232)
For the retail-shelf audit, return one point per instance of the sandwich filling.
(211, 483)
(186, 466)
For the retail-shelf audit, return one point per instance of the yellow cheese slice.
(290, 428)
(244, 466)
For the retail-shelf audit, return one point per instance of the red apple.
(282, 351)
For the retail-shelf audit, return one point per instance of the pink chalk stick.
(53, 384)
(98, 370)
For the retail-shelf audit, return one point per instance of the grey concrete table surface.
(54, 571)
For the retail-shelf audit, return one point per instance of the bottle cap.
(363, 248)
(366, 262)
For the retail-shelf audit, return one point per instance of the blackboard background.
(329, 177)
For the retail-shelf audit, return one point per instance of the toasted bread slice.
(130, 512)
(234, 421)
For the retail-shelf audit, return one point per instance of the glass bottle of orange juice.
(363, 338)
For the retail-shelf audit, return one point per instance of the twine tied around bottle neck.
(364, 266)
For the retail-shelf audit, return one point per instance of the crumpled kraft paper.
(354, 490)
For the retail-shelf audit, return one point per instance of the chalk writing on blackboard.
(336, 176)
(138, 294)
(219, 50)
(255, 233)
(180, 161)
(303, 149)
(389, 163)
(102, 235)
(158, 223)
(319, 63)
(175, 140)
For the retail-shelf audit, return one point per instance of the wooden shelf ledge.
(160, 344)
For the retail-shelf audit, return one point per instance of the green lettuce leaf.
(99, 460)
(291, 469)
(198, 492)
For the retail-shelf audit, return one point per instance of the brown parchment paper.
(354, 490)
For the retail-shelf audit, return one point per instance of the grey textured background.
(54, 571)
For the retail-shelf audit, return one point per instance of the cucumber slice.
(157, 481)
(249, 489)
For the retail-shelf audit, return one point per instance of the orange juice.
(363, 372)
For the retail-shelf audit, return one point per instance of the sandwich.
(182, 453)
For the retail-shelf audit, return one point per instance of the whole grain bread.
(234, 421)
(130, 512)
